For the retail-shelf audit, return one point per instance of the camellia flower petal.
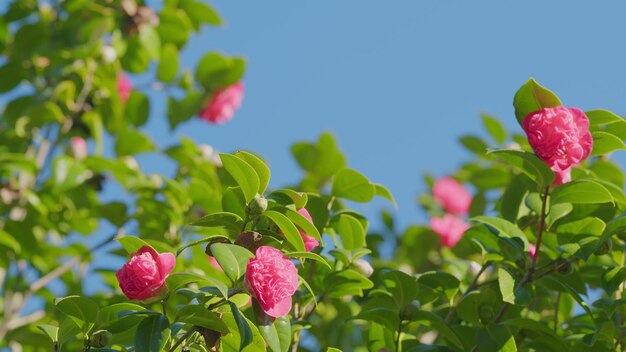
(309, 242)
(143, 276)
(272, 279)
(560, 137)
(78, 147)
(223, 105)
(453, 197)
(449, 228)
(124, 87)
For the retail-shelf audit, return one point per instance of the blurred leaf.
(495, 128)
(131, 142)
(474, 144)
(532, 97)
(137, 108)
(346, 282)
(83, 311)
(153, 333)
(200, 12)
(232, 222)
(403, 288)
(168, 64)
(216, 71)
(51, 331)
(384, 192)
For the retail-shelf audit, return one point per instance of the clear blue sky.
(398, 82)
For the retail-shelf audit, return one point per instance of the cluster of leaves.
(485, 294)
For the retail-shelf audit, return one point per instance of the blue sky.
(398, 82)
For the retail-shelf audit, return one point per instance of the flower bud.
(605, 247)
(409, 311)
(258, 205)
(101, 338)
(363, 267)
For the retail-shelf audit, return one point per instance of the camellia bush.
(524, 249)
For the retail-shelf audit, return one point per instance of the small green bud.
(363, 267)
(101, 338)
(258, 205)
(605, 247)
(409, 311)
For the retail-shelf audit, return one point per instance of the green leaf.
(174, 26)
(277, 335)
(440, 326)
(350, 184)
(532, 97)
(529, 164)
(504, 228)
(168, 64)
(244, 175)
(216, 71)
(230, 221)
(602, 117)
(83, 311)
(581, 192)
(51, 331)
(299, 199)
(303, 223)
(613, 279)
(132, 244)
(137, 108)
(344, 283)
(178, 280)
(403, 287)
(384, 192)
(11, 74)
(245, 332)
(183, 110)
(474, 144)
(496, 338)
(322, 159)
(152, 334)
(131, 142)
(232, 258)
(604, 143)
(259, 167)
(569, 289)
(495, 128)
(200, 12)
(289, 230)
(198, 315)
(210, 238)
(507, 286)
(309, 255)
(350, 231)
(381, 309)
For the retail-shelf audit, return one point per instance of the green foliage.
(378, 288)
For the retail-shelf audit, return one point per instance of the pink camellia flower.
(143, 277)
(532, 250)
(272, 279)
(223, 105)
(453, 197)
(560, 137)
(309, 242)
(78, 147)
(449, 228)
(124, 87)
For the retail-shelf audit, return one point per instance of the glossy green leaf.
(384, 192)
(243, 173)
(198, 315)
(529, 164)
(602, 117)
(277, 335)
(581, 191)
(532, 97)
(259, 167)
(350, 231)
(51, 331)
(289, 230)
(82, 310)
(304, 224)
(604, 143)
(350, 184)
(402, 287)
(232, 258)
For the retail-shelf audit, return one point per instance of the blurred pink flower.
(78, 147)
(560, 137)
(215, 264)
(532, 250)
(222, 106)
(449, 228)
(272, 279)
(124, 87)
(143, 276)
(453, 197)
(309, 242)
